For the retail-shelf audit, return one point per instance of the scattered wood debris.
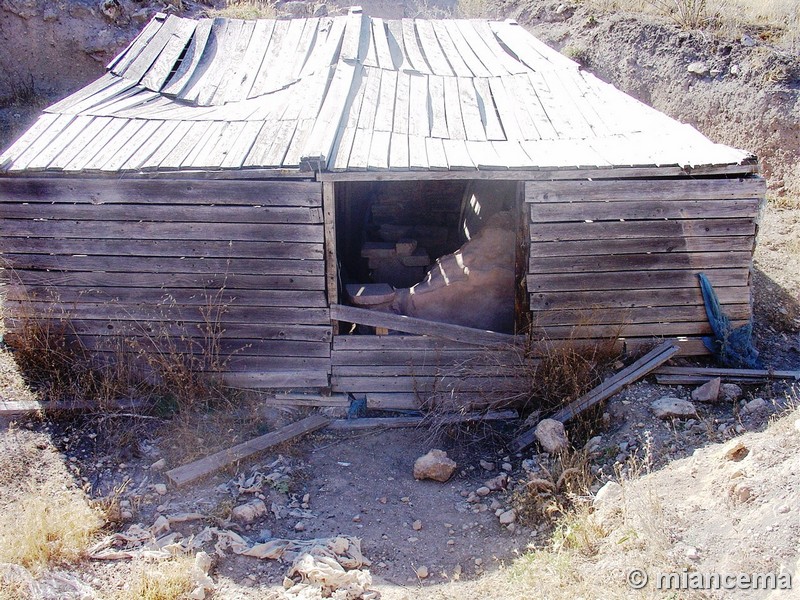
(649, 362)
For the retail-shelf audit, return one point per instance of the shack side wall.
(621, 257)
(135, 257)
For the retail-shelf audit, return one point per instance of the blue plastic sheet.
(732, 347)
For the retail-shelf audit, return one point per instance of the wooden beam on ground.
(702, 374)
(10, 408)
(400, 422)
(198, 469)
(457, 333)
(649, 362)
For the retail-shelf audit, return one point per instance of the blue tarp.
(732, 347)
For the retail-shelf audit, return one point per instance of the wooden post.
(331, 264)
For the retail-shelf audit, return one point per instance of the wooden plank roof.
(351, 93)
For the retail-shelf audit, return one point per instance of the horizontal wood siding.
(147, 259)
(433, 369)
(622, 257)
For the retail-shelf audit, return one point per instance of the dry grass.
(168, 579)
(246, 9)
(776, 21)
(47, 527)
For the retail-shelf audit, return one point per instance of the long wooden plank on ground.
(711, 372)
(206, 466)
(650, 361)
(420, 326)
(414, 421)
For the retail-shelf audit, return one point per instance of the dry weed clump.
(553, 488)
(48, 527)
(246, 9)
(166, 579)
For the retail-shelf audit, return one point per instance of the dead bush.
(554, 487)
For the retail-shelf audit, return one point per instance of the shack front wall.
(154, 258)
(620, 258)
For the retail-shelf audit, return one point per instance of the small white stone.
(416, 525)
(483, 491)
(159, 465)
(160, 489)
(422, 572)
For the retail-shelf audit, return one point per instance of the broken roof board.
(351, 93)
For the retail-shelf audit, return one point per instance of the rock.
(508, 517)
(748, 41)
(668, 407)
(405, 247)
(730, 392)
(735, 70)
(551, 436)
(698, 68)
(434, 465)
(561, 8)
(249, 512)
(299, 526)
(486, 465)
(159, 465)
(321, 10)
(507, 467)
(483, 491)
(593, 445)
(692, 553)
(416, 525)
(160, 489)
(497, 483)
(708, 392)
(735, 450)
(797, 425)
(160, 526)
(754, 406)
(609, 494)
(422, 572)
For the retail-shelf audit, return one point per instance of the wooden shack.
(255, 162)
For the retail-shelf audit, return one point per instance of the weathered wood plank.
(421, 326)
(189, 314)
(458, 157)
(653, 190)
(41, 141)
(289, 379)
(623, 298)
(591, 247)
(164, 231)
(742, 374)
(68, 135)
(382, 50)
(431, 49)
(471, 369)
(18, 148)
(137, 46)
(640, 262)
(473, 124)
(452, 105)
(679, 278)
(645, 330)
(213, 281)
(418, 383)
(159, 264)
(204, 467)
(139, 67)
(398, 152)
(635, 315)
(402, 102)
(412, 48)
(557, 232)
(418, 118)
(384, 116)
(464, 50)
(399, 342)
(183, 297)
(644, 210)
(95, 191)
(162, 67)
